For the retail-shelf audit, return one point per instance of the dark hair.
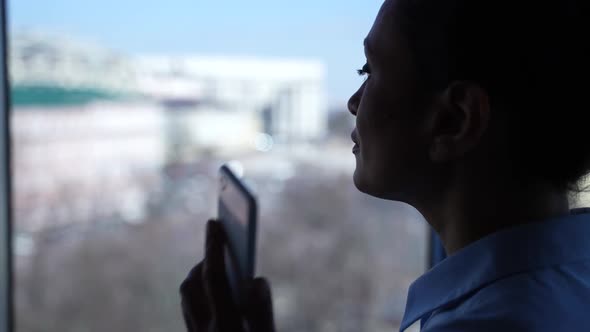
(530, 56)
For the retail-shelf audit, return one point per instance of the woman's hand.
(207, 303)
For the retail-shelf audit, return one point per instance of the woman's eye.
(364, 71)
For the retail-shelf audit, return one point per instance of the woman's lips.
(353, 136)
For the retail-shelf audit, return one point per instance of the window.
(122, 114)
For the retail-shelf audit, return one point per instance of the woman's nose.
(354, 101)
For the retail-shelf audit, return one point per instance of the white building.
(286, 95)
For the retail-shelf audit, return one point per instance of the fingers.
(217, 286)
(259, 309)
(189, 322)
(210, 232)
(195, 308)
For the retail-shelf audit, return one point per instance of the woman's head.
(479, 88)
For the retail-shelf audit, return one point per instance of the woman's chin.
(373, 188)
(360, 182)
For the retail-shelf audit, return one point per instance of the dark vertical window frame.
(6, 278)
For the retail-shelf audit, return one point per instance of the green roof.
(46, 95)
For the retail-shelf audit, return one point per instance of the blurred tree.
(333, 256)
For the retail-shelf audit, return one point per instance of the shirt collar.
(518, 249)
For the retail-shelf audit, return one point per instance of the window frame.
(6, 257)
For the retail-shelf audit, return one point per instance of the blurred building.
(41, 59)
(93, 128)
(286, 96)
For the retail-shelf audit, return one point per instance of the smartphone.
(237, 212)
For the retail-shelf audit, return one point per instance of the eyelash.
(364, 71)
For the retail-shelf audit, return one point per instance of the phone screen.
(237, 214)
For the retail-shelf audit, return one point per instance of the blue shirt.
(533, 277)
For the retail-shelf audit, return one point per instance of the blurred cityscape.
(113, 118)
(115, 160)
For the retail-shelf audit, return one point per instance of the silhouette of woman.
(474, 113)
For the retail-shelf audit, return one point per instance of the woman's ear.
(458, 120)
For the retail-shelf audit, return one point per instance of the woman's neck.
(472, 211)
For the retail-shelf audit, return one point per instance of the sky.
(328, 30)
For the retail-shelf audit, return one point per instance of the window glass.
(123, 113)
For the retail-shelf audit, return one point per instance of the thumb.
(259, 309)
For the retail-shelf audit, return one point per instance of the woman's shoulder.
(548, 299)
